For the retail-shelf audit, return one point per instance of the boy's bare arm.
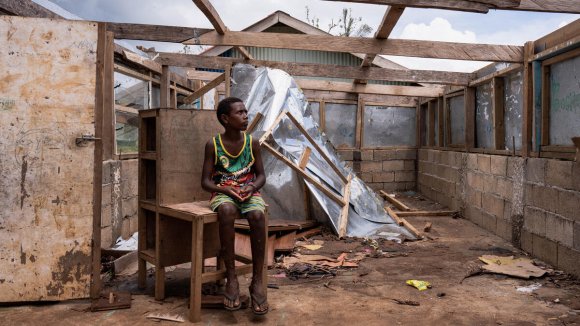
(207, 183)
(247, 191)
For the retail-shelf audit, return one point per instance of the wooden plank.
(109, 143)
(196, 270)
(470, 117)
(441, 124)
(399, 47)
(431, 124)
(285, 242)
(502, 72)
(498, 100)
(564, 6)
(418, 123)
(314, 70)
(254, 122)
(545, 127)
(164, 97)
(143, 62)
(558, 36)
(394, 215)
(557, 49)
(358, 136)
(159, 33)
(26, 8)
(304, 158)
(427, 227)
(411, 228)
(426, 213)
(317, 147)
(309, 233)
(369, 88)
(271, 128)
(576, 141)
(389, 21)
(344, 212)
(329, 193)
(395, 201)
(228, 80)
(528, 100)
(206, 88)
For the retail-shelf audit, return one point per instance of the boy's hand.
(232, 192)
(246, 192)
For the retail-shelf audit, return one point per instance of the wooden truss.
(300, 167)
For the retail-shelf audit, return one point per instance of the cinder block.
(474, 180)
(507, 210)
(383, 176)
(444, 199)
(366, 177)
(422, 154)
(405, 154)
(568, 260)
(356, 166)
(535, 221)
(393, 165)
(409, 165)
(371, 166)
(512, 163)
(106, 237)
(106, 215)
(489, 183)
(384, 154)
(473, 214)
(576, 176)
(126, 228)
(346, 154)
(106, 172)
(545, 198)
(471, 162)
(492, 204)
(356, 155)
(474, 198)
(504, 188)
(504, 229)
(560, 229)
(366, 155)
(527, 242)
(376, 186)
(444, 157)
(484, 163)
(545, 249)
(499, 165)
(569, 204)
(559, 173)
(488, 222)
(536, 170)
(577, 235)
(129, 207)
(390, 186)
(404, 176)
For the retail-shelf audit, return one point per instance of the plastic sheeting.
(513, 88)
(270, 92)
(389, 126)
(484, 117)
(457, 113)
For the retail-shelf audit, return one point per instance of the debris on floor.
(112, 301)
(517, 267)
(420, 285)
(407, 302)
(167, 317)
(530, 288)
(310, 245)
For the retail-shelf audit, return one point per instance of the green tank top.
(234, 170)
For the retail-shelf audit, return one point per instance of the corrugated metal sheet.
(307, 56)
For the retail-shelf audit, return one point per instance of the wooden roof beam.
(483, 6)
(320, 70)
(209, 11)
(157, 33)
(26, 8)
(325, 85)
(409, 48)
(390, 19)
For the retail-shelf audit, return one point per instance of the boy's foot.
(232, 295)
(259, 301)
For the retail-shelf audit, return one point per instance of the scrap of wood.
(304, 158)
(426, 213)
(344, 212)
(271, 128)
(254, 123)
(309, 233)
(407, 302)
(112, 301)
(394, 215)
(159, 316)
(285, 242)
(427, 227)
(411, 228)
(395, 202)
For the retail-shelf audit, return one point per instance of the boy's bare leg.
(257, 238)
(227, 214)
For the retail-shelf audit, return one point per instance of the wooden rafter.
(390, 19)
(155, 32)
(483, 6)
(370, 88)
(315, 70)
(409, 48)
(209, 11)
(26, 8)
(206, 88)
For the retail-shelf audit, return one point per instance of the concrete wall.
(534, 203)
(384, 169)
(120, 202)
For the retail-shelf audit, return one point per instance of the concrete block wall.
(384, 169)
(534, 203)
(119, 200)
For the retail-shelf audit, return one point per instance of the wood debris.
(159, 316)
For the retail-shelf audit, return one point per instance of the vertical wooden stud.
(528, 100)
(418, 124)
(228, 80)
(545, 106)
(441, 121)
(431, 135)
(322, 115)
(498, 100)
(469, 117)
(359, 123)
(165, 101)
(109, 99)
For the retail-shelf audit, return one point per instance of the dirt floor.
(365, 294)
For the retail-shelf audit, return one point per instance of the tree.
(347, 24)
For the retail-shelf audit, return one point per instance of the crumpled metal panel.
(270, 92)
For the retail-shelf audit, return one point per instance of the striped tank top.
(233, 170)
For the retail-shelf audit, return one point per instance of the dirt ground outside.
(364, 295)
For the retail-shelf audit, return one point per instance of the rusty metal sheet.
(47, 99)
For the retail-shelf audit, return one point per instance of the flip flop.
(233, 299)
(255, 304)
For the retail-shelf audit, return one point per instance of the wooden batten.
(344, 212)
(304, 158)
(206, 88)
(498, 104)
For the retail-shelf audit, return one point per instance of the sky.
(495, 27)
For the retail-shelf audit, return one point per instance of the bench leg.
(159, 283)
(196, 270)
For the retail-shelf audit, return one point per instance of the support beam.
(460, 5)
(26, 8)
(369, 89)
(206, 88)
(409, 48)
(157, 33)
(209, 11)
(344, 212)
(315, 70)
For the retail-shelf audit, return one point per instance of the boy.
(233, 172)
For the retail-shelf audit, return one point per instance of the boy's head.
(225, 107)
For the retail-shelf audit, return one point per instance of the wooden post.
(441, 121)
(196, 269)
(228, 80)
(545, 133)
(431, 135)
(418, 124)
(528, 100)
(498, 100)
(322, 115)
(469, 117)
(344, 212)
(164, 98)
(304, 158)
(359, 123)
(109, 99)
